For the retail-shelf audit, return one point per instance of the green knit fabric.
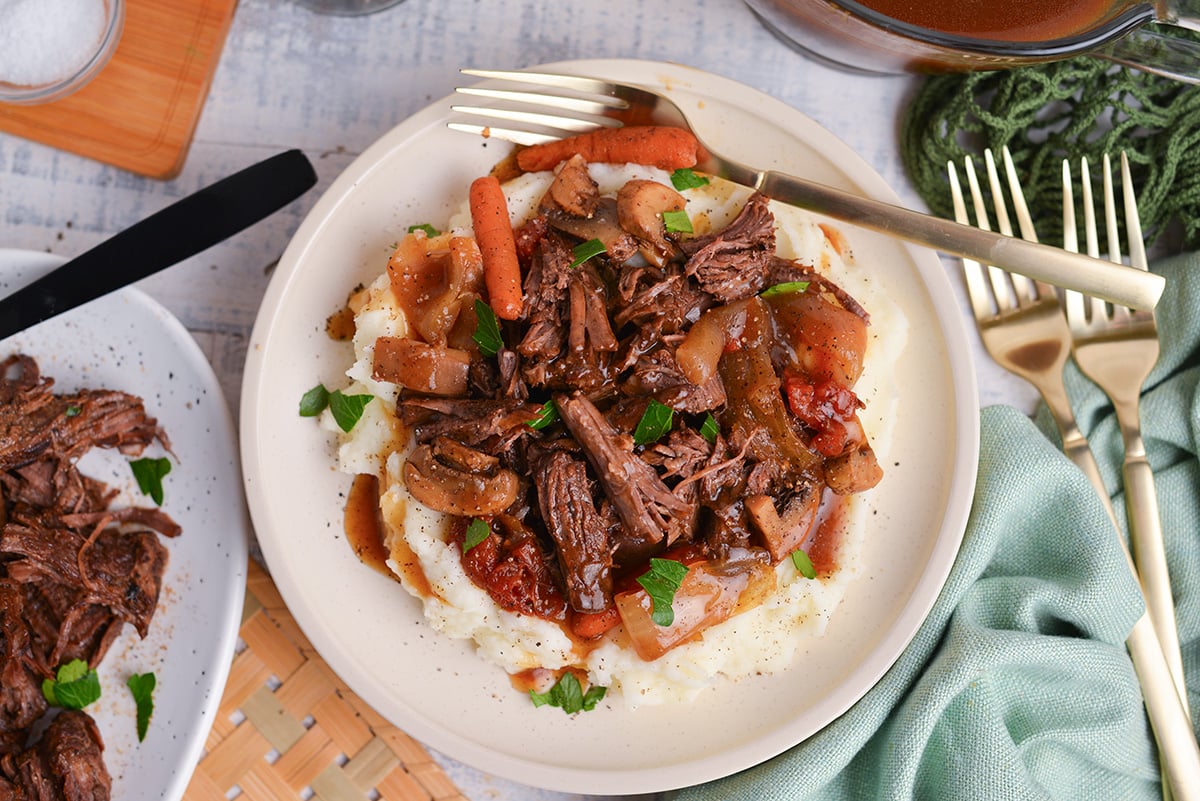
(1045, 113)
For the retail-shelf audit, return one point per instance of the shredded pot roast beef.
(539, 440)
(72, 570)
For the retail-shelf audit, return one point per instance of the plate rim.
(917, 605)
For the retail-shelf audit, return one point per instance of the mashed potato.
(763, 639)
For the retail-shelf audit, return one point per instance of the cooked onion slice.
(417, 366)
(711, 592)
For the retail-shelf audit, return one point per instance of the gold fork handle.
(1116, 283)
(1178, 751)
(1074, 444)
(1077, 450)
(1179, 754)
(1149, 553)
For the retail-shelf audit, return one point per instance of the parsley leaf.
(142, 687)
(677, 222)
(74, 686)
(347, 409)
(72, 411)
(149, 474)
(687, 179)
(568, 695)
(426, 227)
(709, 429)
(655, 422)
(314, 401)
(785, 288)
(477, 531)
(586, 250)
(546, 417)
(487, 329)
(803, 564)
(661, 582)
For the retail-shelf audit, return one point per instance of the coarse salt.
(45, 41)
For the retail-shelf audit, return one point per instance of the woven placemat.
(288, 728)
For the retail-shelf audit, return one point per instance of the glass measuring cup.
(861, 37)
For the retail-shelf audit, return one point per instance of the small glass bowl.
(105, 47)
(348, 8)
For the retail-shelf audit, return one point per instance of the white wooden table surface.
(332, 85)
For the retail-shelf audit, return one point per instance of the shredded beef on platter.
(74, 570)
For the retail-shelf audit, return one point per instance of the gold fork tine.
(1133, 222)
(1002, 290)
(977, 285)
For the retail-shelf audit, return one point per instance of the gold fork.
(1020, 321)
(591, 103)
(1023, 328)
(1117, 349)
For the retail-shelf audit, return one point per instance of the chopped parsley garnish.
(142, 687)
(547, 416)
(568, 695)
(477, 531)
(426, 227)
(655, 422)
(787, 287)
(586, 250)
(74, 686)
(803, 564)
(73, 411)
(709, 429)
(687, 179)
(661, 582)
(487, 330)
(149, 474)
(314, 401)
(677, 222)
(347, 409)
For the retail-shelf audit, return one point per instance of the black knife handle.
(167, 237)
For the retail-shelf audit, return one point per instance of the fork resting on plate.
(591, 103)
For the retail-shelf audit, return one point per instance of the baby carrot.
(655, 145)
(590, 625)
(494, 235)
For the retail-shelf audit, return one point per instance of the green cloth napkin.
(1018, 685)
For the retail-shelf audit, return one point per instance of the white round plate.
(372, 633)
(128, 342)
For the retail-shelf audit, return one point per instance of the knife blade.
(183, 229)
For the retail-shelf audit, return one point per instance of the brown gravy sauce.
(364, 528)
(999, 20)
(825, 544)
(362, 523)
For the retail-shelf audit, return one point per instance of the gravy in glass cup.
(892, 36)
(1008, 21)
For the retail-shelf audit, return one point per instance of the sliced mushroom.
(443, 476)
(784, 533)
(601, 225)
(640, 206)
(856, 470)
(573, 189)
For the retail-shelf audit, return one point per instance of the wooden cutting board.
(141, 111)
